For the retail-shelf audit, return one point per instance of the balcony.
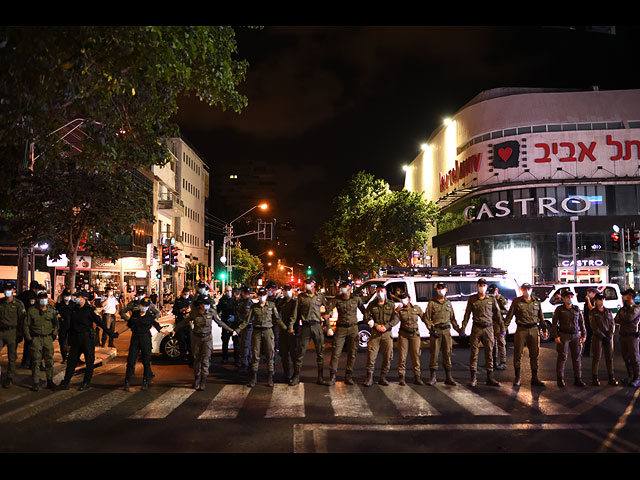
(171, 206)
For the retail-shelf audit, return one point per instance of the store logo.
(506, 155)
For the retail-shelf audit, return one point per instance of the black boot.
(348, 378)
(492, 381)
(579, 383)
(449, 379)
(433, 380)
(369, 381)
(401, 380)
(332, 378)
(253, 379)
(196, 382)
(561, 383)
(50, 384)
(127, 387)
(612, 380)
(417, 380)
(595, 381)
(320, 380)
(296, 379)
(535, 381)
(474, 379)
(145, 384)
(383, 380)
(516, 380)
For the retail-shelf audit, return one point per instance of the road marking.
(348, 401)
(286, 401)
(471, 401)
(227, 403)
(588, 400)
(408, 402)
(39, 406)
(8, 397)
(164, 404)
(97, 408)
(608, 442)
(97, 371)
(536, 400)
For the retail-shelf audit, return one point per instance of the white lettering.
(587, 204)
(505, 209)
(523, 205)
(465, 213)
(484, 209)
(546, 205)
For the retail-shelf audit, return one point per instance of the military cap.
(33, 285)
(598, 296)
(482, 281)
(84, 294)
(310, 280)
(65, 292)
(381, 286)
(525, 285)
(202, 301)
(9, 286)
(145, 302)
(565, 292)
(271, 284)
(440, 285)
(629, 291)
(42, 295)
(262, 291)
(202, 285)
(140, 289)
(345, 283)
(245, 290)
(288, 286)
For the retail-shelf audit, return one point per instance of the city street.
(229, 417)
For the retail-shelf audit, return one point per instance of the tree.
(117, 88)
(372, 226)
(245, 265)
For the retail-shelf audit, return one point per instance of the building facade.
(513, 167)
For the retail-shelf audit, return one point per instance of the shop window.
(539, 128)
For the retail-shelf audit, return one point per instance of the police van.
(420, 285)
(9, 276)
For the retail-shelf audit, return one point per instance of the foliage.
(245, 265)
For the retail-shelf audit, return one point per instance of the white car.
(168, 345)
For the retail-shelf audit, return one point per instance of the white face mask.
(229, 293)
(288, 293)
(382, 295)
(526, 293)
(8, 293)
(345, 291)
(263, 298)
(442, 292)
(405, 301)
(43, 301)
(309, 287)
(67, 299)
(203, 291)
(207, 307)
(144, 309)
(482, 290)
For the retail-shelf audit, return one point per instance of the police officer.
(226, 309)
(602, 327)
(180, 311)
(242, 313)
(140, 323)
(309, 317)
(263, 315)
(201, 291)
(288, 338)
(569, 333)
(439, 318)
(273, 296)
(201, 317)
(499, 330)
(12, 316)
(81, 341)
(486, 311)
(529, 319)
(40, 330)
(381, 316)
(29, 299)
(64, 307)
(628, 317)
(409, 339)
(589, 305)
(346, 330)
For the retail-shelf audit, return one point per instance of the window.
(425, 291)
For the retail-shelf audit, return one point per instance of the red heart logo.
(505, 153)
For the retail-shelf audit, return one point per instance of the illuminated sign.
(592, 262)
(527, 206)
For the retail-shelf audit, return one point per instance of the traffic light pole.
(624, 256)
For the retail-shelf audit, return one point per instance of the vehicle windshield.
(541, 292)
(367, 289)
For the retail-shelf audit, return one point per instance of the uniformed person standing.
(40, 330)
(569, 332)
(628, 317)
(288, 338)
(602, 329)
(29, 299)
(12, 316)
(309, 317)
(273, 296)
(409, 339)
(381, 316)
(242, 313)
(226, 309)
(440, 317)
(64, 307)
(587, 309)
(486, 311)
(499, 330)
(180, 312)
(346, 331)
(263, 315)
(529, 319)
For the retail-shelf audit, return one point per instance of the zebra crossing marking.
(538, 401)
(408, 402)
(38, 406)
(348, 401)
(286, 401)
(98, 407)
(471, 401)
(166, 403)
(227, 403)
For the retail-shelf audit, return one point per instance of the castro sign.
(527, 206)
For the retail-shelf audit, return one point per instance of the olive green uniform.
(382, 314)
(628, 317)
(409, 338)
(568, 325)
(346, 330)
(40, 328)
(310, 320)
(602, 329)
(263, 318)
(202, 342)
(529, 318)
(485, 312)
(500, 330)
(12, 315)
(440, 317)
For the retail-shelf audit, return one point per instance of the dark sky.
(326, 102)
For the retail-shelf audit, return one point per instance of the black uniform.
(182, 329)
(140, 325)
(226, 309)
(64, 309)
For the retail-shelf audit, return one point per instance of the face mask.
(78, 300)
(405, 301)
(43, 301)
(263, 298)
(482, 290)
(203, 291)
(599, 304)
(270, 293)
(8, 293)
(382, 295)
(527, 293)
(109, 294)
(442, 292)
(345, 291)
(207, 307)
(187, 296)
(67, 299)
(229, 294)
(309, 287)
(288, 293)
(144, 309)
(567, 300)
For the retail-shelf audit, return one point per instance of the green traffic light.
(222, 276)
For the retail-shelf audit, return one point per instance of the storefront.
(516, 170)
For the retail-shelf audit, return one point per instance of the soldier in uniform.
(588, 308)
(381, 316)
(81, 339)
(499, 330)
(409, 339)
(439, 318)
(264, 315)
(273, 296)
(64, 306)
(602, 327)
(140, 323)
(29, 299)
(226, 309)
(346, 331)
(180, 311)
(288, 338)
(40, 330)
(309, 317)
(529, 319)
(628, 317)
(569, 333)
(486, 311)
(242, 313)
(12, 316)
(201, 316)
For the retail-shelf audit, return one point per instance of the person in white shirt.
(109, 306)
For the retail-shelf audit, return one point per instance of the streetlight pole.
(573, 244)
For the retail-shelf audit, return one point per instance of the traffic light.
(616, 241)
(309, 271)
(635, 239)
(174, 256)
(222, 276)
(166, 255)
(158, 273)
(627, 267)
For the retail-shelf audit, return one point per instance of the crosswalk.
(303, 401)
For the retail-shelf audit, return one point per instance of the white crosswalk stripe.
(537, 400)
(348, 401)
(39, 406)
(286, 401)
(164, 404)
(98, 407)
(227, 403)
(600, 399)
(408, 402)
(474, 403)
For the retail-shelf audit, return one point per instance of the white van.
(9, 273)
(461, 283)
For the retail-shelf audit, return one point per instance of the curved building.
(514, 166)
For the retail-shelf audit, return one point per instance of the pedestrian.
(263, 316)
(12, 317)
(485, 311)
(288, 337)
(81, 340)
(40, 330)
(529, 319)
(589, 305)
(602, 327)
(201, 317)
(64, 307)
(154, 297)
(226, 309)
(499, 330)
(28, 298)
(309, 318)
(242, 312)
(569, 332)
(180, 310)
(381, 316)
(409, 339)
(140, 323)
(347, 306)
(109, 309)
(628, 317)
(439, 318)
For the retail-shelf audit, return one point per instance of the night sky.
(326, 102)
